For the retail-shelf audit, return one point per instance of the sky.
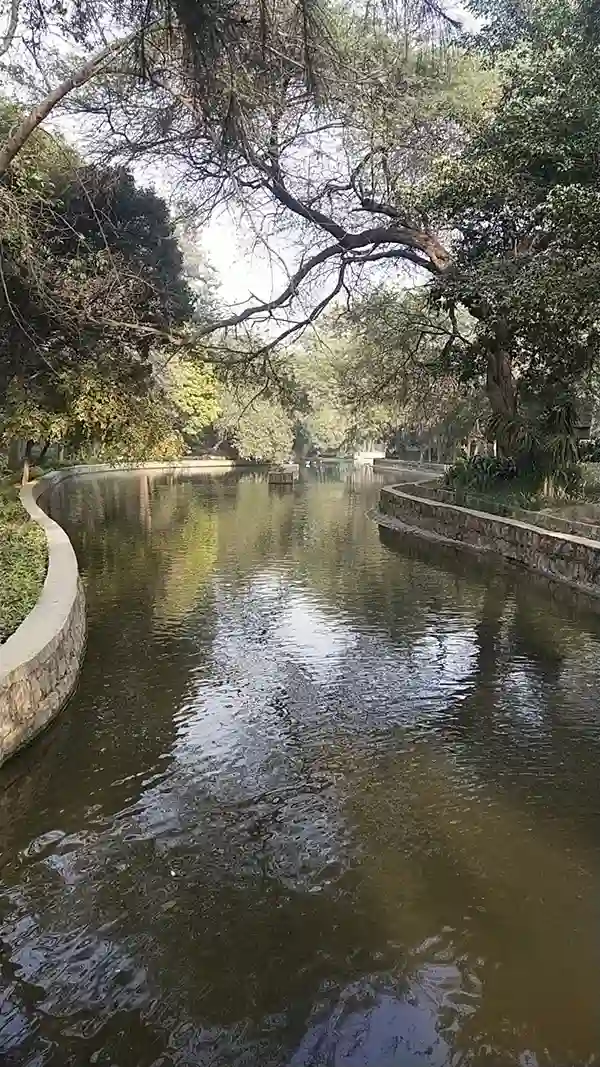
(241, 271)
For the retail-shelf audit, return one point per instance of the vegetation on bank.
(23, 561)
(488, 483)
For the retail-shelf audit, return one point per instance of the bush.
(480, 472)
(567, 482)
(524, 479)
(589, 451)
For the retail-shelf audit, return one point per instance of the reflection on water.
(318, 801)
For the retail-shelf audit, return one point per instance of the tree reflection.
(315, 801)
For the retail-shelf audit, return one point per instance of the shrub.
(566, 481)
(480, 472)
(589, 451)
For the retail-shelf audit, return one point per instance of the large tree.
(415, 158)
(94, 302)
(361, 149)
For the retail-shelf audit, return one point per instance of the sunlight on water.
(319, 801)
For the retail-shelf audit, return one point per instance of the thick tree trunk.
(43, 452)
(500, 384)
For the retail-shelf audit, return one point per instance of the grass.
(515, 493)
(23, 561)
(526, 494)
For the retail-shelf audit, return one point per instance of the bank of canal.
(317, 800)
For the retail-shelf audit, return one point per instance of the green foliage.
(192, 389)
(94, 289)
(26, 416)
(524, 198)
(518, 434)
(256, 426)
(23, 562)
(544, 442)
(480, 472)
(106, 423)
(589, 450)
(324, 423)
(90, 266)
(543, 452)
(395, 371)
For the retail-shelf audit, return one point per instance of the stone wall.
(189, 466)
(571, 559)
(39, 663)
(408, 465)
(546, 518)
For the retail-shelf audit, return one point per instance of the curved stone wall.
(39, 663)
(383, 465)
(567, 558)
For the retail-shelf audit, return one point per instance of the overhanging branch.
(271, 305)
(11, 29)
(36, 116)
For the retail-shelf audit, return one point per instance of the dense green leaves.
(95, 301)
(255, 425)
(192, 390)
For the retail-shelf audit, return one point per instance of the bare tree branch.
(314, 314)
(88, 70)
(410, 236)
(11, 29)
(271, 305)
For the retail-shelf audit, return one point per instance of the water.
(317, 801)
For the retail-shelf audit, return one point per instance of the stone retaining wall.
(178, 466)
(571, 559)
(39, 663)
(408, 465)
(546, 518)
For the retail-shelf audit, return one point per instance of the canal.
(319, 800)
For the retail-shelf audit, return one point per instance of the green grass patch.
(516, 493)
(23, 561)
(522, 493)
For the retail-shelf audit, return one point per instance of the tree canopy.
(356, 144)
(95, 301)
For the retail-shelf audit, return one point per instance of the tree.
(524, 200)
(255, 425)
(27, 417)
(192, 390)
(323, 422)
(94, 298)
(478, 174)
(388, 107)
(397, 368)
(518, 188)
(196, 42)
